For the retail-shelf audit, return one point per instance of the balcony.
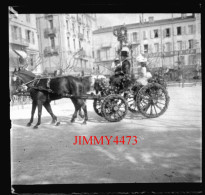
(48, 32)
(105, 45)
(20, 41)
(49, 51)
(80, 36)
(135, 42)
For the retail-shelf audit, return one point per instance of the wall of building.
(68, 41)
(167, 55)
(18, 37)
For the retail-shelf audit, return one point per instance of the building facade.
(167, 43)
(23, 40)
(65, 42)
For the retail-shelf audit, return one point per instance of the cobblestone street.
(168, 148)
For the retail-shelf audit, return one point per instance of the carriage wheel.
(132, 103)
(152, 100)
(114, 108)
(97, 106)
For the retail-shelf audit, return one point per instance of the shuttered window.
(191, 44)
(179, 45)
(134, 35)
(156, 33)
(179, 30)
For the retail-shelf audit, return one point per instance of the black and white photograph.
(105, 98)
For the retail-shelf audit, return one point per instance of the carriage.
(151, 100)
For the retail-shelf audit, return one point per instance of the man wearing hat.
(122, 71)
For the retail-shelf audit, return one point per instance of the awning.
(13, 58)
(23, 54)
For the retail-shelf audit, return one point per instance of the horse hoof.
(84, 123)
(28, 125)
(57, 123)
(72, 121)
(35, 127)
(82, 116)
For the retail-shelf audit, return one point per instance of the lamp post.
(121, 34)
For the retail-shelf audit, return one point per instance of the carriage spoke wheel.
(97, 106)
(114, 108)
(152, 100)
(132, 103)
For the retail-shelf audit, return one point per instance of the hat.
(140, 58)
(117, 59)
(125, 49)
(124, 53)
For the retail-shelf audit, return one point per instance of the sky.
(105, 20)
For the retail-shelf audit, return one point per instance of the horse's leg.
(40, 104)
(84, 107)
(49, 110)
(32, 113)
(77, 107)
(80, 113)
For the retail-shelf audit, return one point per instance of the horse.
(45, 90)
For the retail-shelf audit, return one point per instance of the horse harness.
(35, 82)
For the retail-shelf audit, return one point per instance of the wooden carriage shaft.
(87, 97)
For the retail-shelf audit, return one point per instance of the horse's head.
(23, 75)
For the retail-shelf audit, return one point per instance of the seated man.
(122, 73)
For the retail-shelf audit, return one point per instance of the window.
(79, 45)
(28, 19)
(167, 32)
(98, 54)
(68, 42)
(191, 29)
(52, 42)
(51, 23)
(179, 30)
(88, 34)
(179, 45)
(28, 36)
(79, 29)
(156, 47)
(107, 54)
(134, 35)
(156, 34)
(33, 38)
(14, 30)
(192, 59)
(144, 35)
(191, 44)
(168, 47)
(74, 44)
(146, 48)
(73, 27)
(67, 25)
(32, 60)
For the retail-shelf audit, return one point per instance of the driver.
(122, 72)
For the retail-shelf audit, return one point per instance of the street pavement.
(168, 148)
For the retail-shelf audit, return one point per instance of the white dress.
(144, 76)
